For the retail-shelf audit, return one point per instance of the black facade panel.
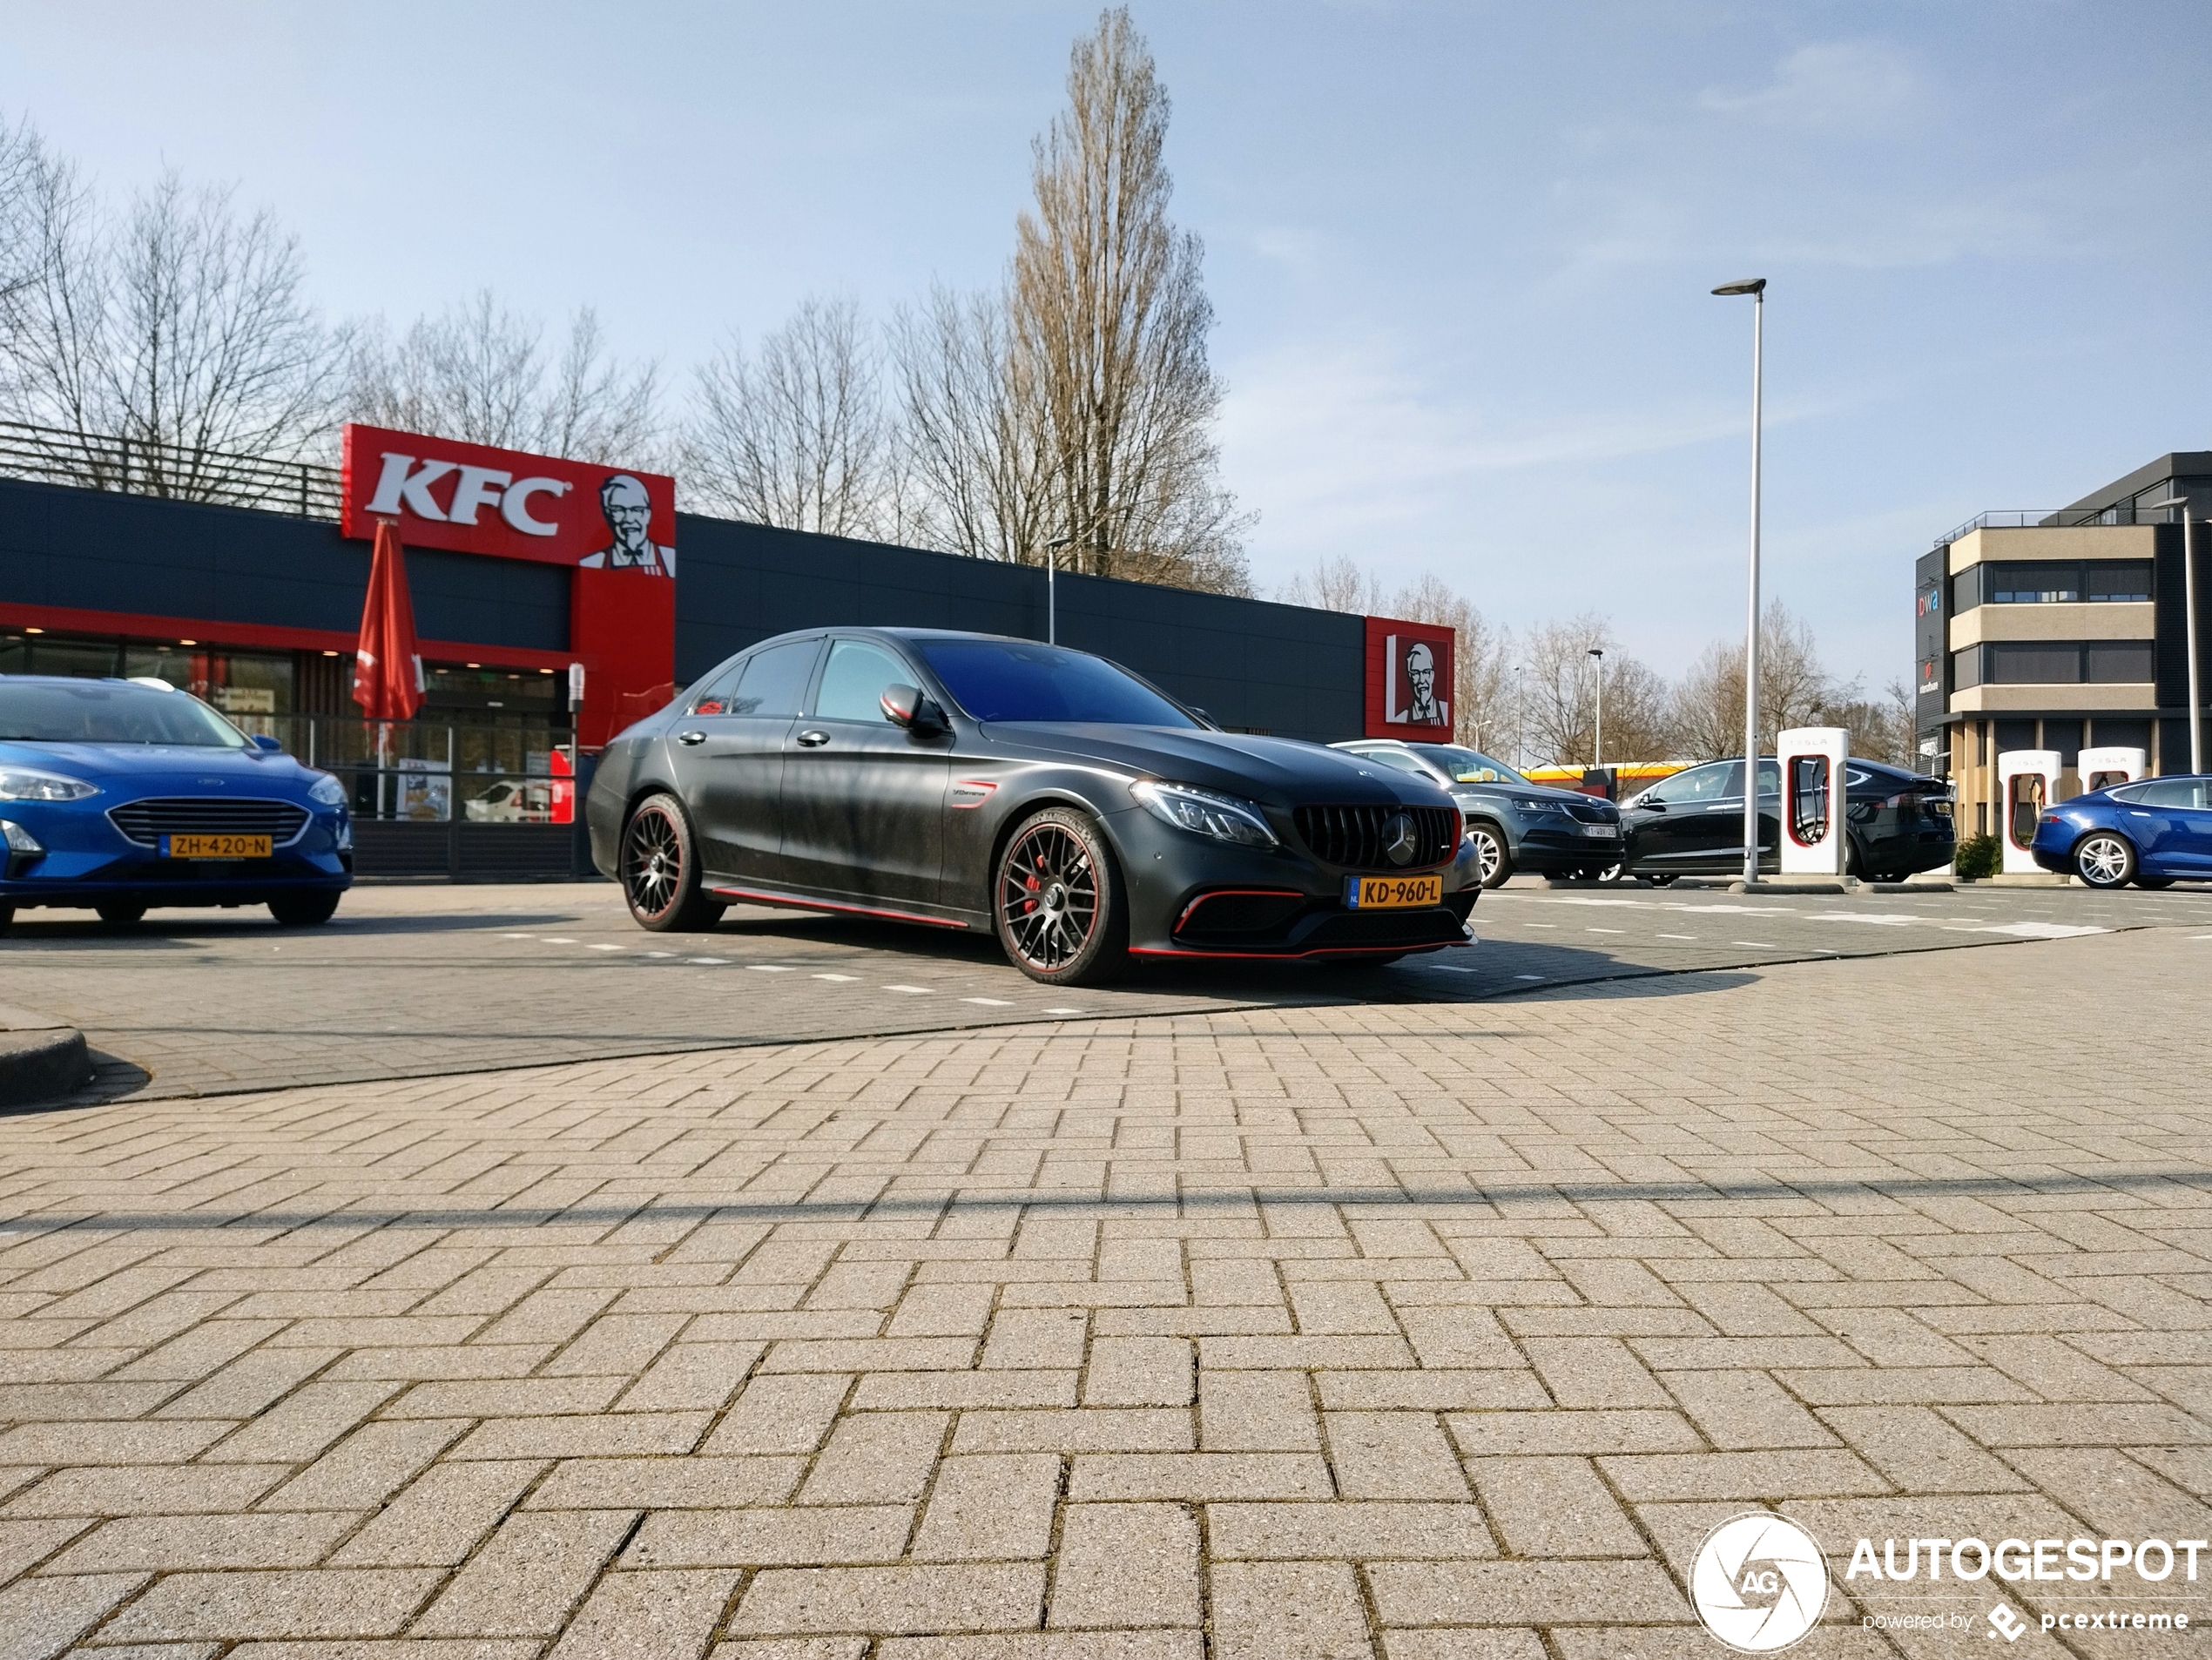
(99, 551)
(1288, 670)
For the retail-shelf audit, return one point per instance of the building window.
(2116, 580)
(2119, 661)
(2032, 663)
(1965, 668)
(2044, 582)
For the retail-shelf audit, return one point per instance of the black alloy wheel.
(1492, 859)
(1056, 901)
(660, 872)
(119, 913)
(2104, 859)
(302, 910)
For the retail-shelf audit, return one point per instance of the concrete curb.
(40, 1058)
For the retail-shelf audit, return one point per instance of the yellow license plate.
(214, 847)
(1393, 893)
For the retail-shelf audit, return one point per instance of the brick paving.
(1415, 1330)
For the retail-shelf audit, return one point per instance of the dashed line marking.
(555, 939)
(660, 954)
(841, 979)
(712, 963)
(1445, 968)
(1064, 1011)
(1605, 930)
(1677, 936)
(770, 968)
(1528, 976)
(518, 936)
(1757, 945)
(918, 990)
(989, 1003)
(602, 948)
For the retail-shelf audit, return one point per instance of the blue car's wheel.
(2104, 859)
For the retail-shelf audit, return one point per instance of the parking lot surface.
(431, 981)
(1415, 1328)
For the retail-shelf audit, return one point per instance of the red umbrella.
(387, 670)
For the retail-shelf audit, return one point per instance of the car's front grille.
(146, 822)
(1592, 811)
(1353, 837)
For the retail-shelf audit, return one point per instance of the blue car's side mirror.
(262, 740)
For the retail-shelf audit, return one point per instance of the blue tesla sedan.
(117, 795)
(2150, 833)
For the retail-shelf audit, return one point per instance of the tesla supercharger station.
(2028, 781)
(1813, 840)
(2102, 768)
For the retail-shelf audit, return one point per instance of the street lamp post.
(1597, 743)
(2188, 602)
(1755, 287)
(1051, 595)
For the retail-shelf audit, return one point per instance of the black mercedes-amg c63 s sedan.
(975, 782)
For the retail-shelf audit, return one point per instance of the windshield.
(100, 711)
(1013, 680)
(1470, 766)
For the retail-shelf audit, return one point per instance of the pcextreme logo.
(1759, 1583)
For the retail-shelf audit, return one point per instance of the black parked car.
(976, 782)
(1513, 824)
(1692, 823)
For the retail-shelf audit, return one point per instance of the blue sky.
(1459, 253)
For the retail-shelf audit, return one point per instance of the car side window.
(2167, 792)
(774, 680)
(853, 683)
(714, 692)
(1706, 783)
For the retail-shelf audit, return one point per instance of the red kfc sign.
(469, 498)
(1410, 668)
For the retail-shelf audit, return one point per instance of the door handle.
(690, 738)
(812, 739)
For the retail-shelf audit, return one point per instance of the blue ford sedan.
(2148, 833)
(122, 794)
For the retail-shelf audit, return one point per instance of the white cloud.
(1840, 86)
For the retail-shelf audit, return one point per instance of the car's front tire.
(1056, 900)
(1492, 858)
(660, 870)
(2104, 859)
(302, 910)
(2154, 883)
(119, 913)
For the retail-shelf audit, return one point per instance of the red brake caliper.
(1032, 882)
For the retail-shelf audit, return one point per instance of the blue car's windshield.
(1013, 680)
(1470, 766)
(102, 712)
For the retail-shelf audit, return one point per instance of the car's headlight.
(327, 790)
(1201, 812)
(23, 784)
(1524, 804)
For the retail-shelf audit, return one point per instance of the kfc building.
(555, 601)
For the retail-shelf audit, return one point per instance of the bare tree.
(1481, 715)
(795, 434)
(479, 373)
(1795, 689)
(1108, 319)
(180, 327)
(973, 453)
(1560, 689)
(1338, 584)
(23, 160)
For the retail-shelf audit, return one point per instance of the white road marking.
(1605, 930)
(1447, 968)
(1540, 925)
(1757, 945)
(1678, 936)
(989, 1003)
(660, 954)
(715, 963)
(555, 939)
(841, 979)
(922, 991)
(518, 936)
(1064, 1011)
(603, 947)
(1528, 976)
(769, 968)
(2040, 930)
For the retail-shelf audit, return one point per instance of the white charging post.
(2028, 781)
(2103, 767)
(1814, 841)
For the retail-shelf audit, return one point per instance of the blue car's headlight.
(1523, 804)
(327, 790)
(25, 784)
(1201, 812)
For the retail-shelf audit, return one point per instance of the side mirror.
(908, 706)
(262, 740)
(1203, 716)
(1653, 806)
